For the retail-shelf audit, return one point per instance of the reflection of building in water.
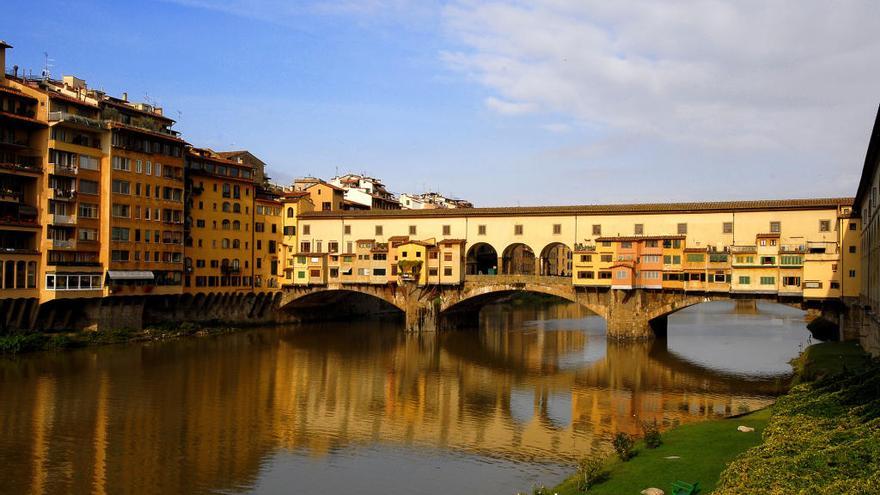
(205, 415)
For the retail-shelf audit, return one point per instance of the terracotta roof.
(452, 241)
(16, 92)
(70, 99)
(638, 238)
(162, 135)
(398, 238)
(613, 209)
(768, 234)
(129, 107)
(365, 240)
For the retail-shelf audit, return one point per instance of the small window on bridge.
(824, 225)
(727, 227)
(775, 227)
(412, 230)
(639, 229)
(682, 229)
(557, 228)
(447, 230)
(517, 230)
(347, 230)
(481, 230)
(597, 230)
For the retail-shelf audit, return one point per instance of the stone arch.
(518, 259)
(322, 297)
(482, 259)
(475, 298)
(556, 260)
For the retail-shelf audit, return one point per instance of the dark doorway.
(482, 259)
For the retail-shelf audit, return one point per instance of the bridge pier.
(628, 316)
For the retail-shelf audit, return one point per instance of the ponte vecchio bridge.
(632, 264)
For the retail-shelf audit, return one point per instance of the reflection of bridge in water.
(222, 407)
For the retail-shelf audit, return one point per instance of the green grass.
(829, 358)
(704, 450)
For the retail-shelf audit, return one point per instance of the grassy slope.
(829, 358)
(704, 450)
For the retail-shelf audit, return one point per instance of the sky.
(501, 102)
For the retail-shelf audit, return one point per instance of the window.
(824, 225)
(557, 228)
(481, 230)
(852, 274)
(626, 244)
(604, 275)
(120, 163)
(597, 230)
(682, 229)
(88, 163)
(621, 274)
(852, 249)
(88, 210)
(447, 271)
(121, 187)
(727, 227)
(447, 256)
(639, 229)
(412, 230)
(517, 229)
(670, 259)
(835, 285)
(378, 230)
(775, 227)
(791, 281)
(447, 230)
(586, 275)
(651, 258)
(606, 258)
(586, 258)
(333, 247)
(88, 187)
(118, 255)
(852, 226)
(768, 260)
(347, 230)
(696, 258)
(88, 234)
(743, 280)
(432, 272)
(379, 272)
(119, 234)
(121, 211)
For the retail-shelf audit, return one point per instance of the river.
(364, 408)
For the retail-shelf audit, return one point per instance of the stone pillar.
(627, 316)
(420, 317)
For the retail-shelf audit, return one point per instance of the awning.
(130, 275)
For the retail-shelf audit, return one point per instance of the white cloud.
(745, 75)
(509, 107)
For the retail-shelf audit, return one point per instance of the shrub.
(652, 434)
(21, 342)
(591, 470)
(541, 490)
(623, 445)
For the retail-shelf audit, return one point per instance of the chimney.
(3, 47)
(124, 96)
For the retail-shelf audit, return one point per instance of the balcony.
(62, 243)
(68, 170)
(62, 194)
(744, 249)
(77, 120)
(56, 219)
(793, 248)
(9, 196)
(19, 163)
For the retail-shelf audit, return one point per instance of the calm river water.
(364, 408)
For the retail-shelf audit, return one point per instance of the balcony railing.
(76, 119)
(15, 161)
(62, 243)
(63, 194)
(57, 169)
(62, 219)
(744, 249)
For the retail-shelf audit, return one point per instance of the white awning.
(130, 275)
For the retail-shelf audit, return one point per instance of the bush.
(591, 470)
(652, 434)
(623, 445)
(21, 342)
(541, 490)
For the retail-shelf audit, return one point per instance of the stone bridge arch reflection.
(318, 389)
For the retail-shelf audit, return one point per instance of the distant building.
(430, 201)
(365, 193)
(247, 158)
(325, 196)
(867, 207)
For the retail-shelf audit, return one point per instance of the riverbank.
(692, 452)
(822, 437)
(19, 343)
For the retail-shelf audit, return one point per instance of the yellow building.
(268, 250)
(293, 203)
(412, 258)
(22, 156)
(221, 198)
(143, 233)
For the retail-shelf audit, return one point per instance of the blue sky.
(503, 102)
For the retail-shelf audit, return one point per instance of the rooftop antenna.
(47, 65)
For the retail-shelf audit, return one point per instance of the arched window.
(9, 275)
(224, 263)
(20, 275)
(226, 224)
(225, 190)
(236, 208)
(236, 225)
(225, 243)
(226, 208)
(289, 212)
(32, 275)
(235, 264)
(236, 244)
